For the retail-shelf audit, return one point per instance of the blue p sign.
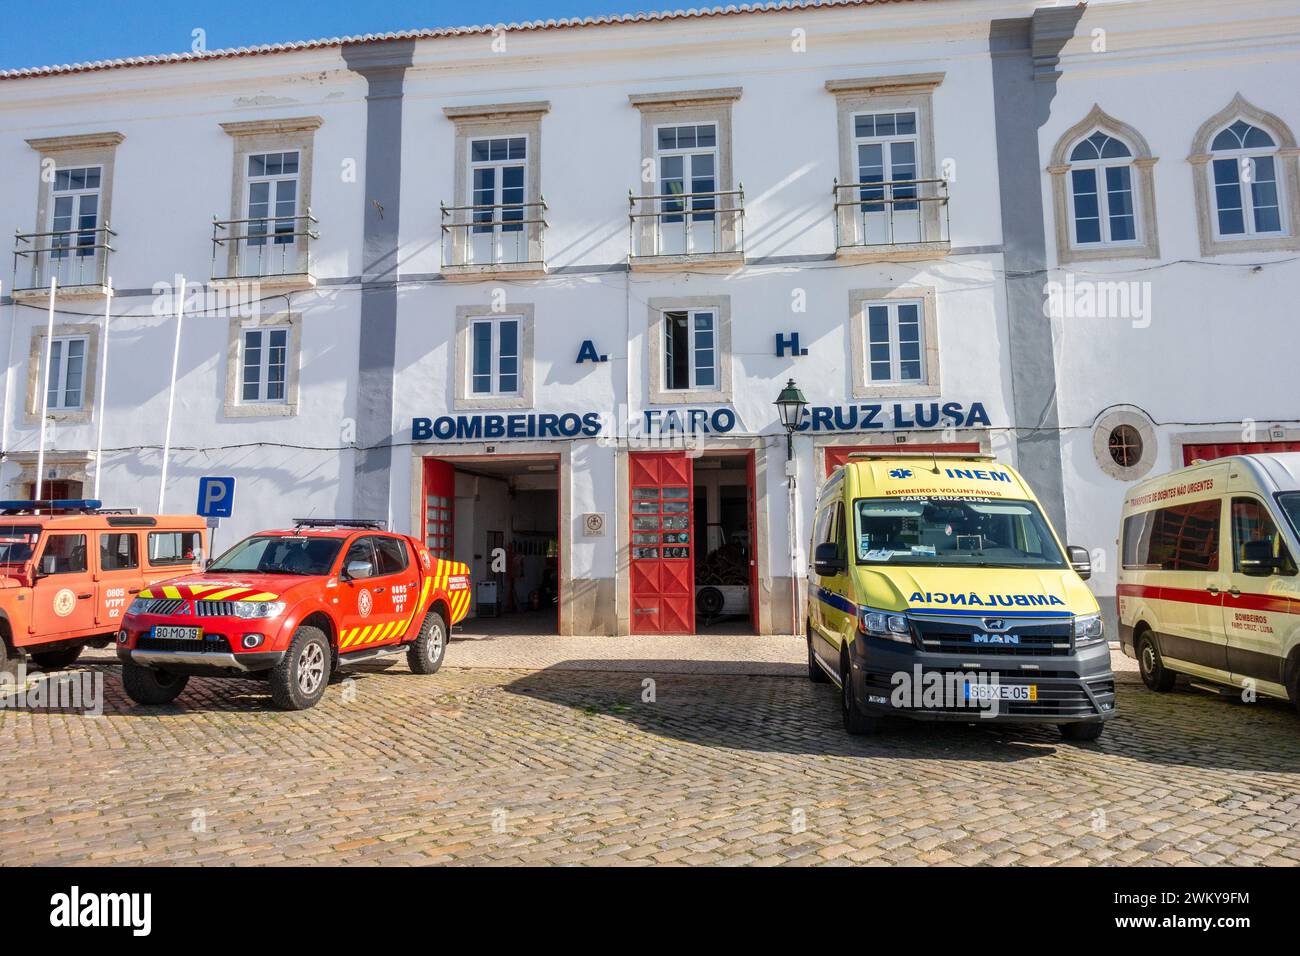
(216, 497)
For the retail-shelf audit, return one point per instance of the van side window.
(1177, 538)
(119, 551)
(175, 547)
(822, 532)
(63, 554)
(841, 537)
(1252, 522)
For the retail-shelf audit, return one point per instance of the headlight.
(892, 627)
(1088, 630)
(250, 610)
(140, 606)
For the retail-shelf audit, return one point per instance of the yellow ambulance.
(938, 590)
(1208, 584)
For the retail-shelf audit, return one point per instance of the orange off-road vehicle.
(69, 568)
(292, 607)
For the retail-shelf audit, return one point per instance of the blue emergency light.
(51, 504)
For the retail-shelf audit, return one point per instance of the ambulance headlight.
(886, 624)
(140, 606)
(254, 610)
(1088, 630)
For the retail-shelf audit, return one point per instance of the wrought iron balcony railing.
(76, 258)
(909, 213)
(481, 237)
(686, 224)
(263, 248)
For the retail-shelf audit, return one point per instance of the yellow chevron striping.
(264, 596)
(361, 638)
(224, 594)
(347, 638)
(171, 592)
(146, 593)
(198, 590)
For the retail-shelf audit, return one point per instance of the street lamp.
(790, 403)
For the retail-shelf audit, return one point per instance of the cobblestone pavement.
(475, 765)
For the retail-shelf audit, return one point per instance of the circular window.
(1125, 446)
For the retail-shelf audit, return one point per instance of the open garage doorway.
(501, 516)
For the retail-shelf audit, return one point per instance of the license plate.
(171, 632)
(1011, 692)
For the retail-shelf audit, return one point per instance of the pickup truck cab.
(292, 607)
(69, 568)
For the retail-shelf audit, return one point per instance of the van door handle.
(380, 590)
(1212, 589)
(83, 597)
(1235, 592)
(133, 590)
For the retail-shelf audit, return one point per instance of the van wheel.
(1154, 673)
(1295, 686)
(426, 654)
(299, 680)
(815, 673)
(1081, 731)
(855, 721)
(146, 686)
(57, 660)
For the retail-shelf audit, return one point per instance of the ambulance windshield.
(288, 554)
(939, 531)
(17, 543)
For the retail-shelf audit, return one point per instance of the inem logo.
(74, 909)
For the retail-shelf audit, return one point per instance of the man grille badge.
(994, 624)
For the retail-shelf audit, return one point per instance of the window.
(690, 350)
(175, 547)
(74, 211)
(1177, 538)
(63, 554)
(1251, 521)
(688, 164)
(1101, 191)
(119, 551)
(494, 369)
(894, 342)
(885, 150)
(265, 361)
(360, 552)
(281, 555)
(1244, 169)
(1125, 445)
(392, 554)
(67, 372)
(498, 171)
(272, 192)
(941, 531)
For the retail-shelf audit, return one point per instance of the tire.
(709, 602)
(146, 686)
(855, 721)
(299, 680)
(1294, 686)
(1081, 732)
(57, 660)
(8, 662)
(815, 673)
(1154, 673)
(425, 656)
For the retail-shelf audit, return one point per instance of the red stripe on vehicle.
(1246, 601)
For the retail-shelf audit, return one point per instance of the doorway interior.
(725, 563)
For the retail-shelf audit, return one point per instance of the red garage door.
(1224, 449)
(836, 456)
(663, 564)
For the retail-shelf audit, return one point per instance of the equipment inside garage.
(500, 516)
(723, 536)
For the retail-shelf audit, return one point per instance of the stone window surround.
(495, 120)
(36, 377)
(688, 107)
(235, 406)
(1108, 422)
(656, 307)
(862, 386)
(463, 398)
(81, 149)
(907, 91)
(69, 465)
(1147, 245)
(270, 136)
(1288, 177)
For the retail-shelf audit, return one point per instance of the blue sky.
(39, 32)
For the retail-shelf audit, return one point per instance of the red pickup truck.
(292, 607)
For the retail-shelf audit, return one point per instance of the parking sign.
(216, 497)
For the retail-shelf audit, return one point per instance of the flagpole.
(171, 394)
(45, 392)
(103, 389)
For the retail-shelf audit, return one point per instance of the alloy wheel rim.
(435, 643)
(311, 668)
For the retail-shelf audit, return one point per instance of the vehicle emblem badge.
(995, 624)
(364, 603)
(65, 602)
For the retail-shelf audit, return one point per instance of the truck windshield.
(17, 542)
(933, 530)
(1290, 502)
(288, 554)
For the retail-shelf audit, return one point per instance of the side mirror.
(826, 560)
(1080, 560)
(1257, 559)
(358, 569)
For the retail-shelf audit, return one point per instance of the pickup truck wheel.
(426, 654)
(299, 680)
(855, 721)
(1081, 731)
(146, 686)
(57, 660)
(1154, 673)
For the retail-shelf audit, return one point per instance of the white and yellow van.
(1208, 583)
(939, 590)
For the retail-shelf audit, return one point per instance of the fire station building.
(531, 291)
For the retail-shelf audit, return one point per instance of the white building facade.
(532, 292)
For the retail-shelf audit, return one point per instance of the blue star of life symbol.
(901, 473)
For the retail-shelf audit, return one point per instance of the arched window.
(1244, 167)
(1101, 191)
